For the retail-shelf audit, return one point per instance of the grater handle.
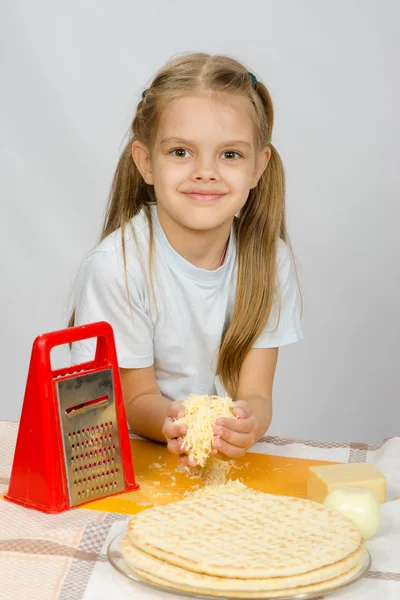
(101, 330)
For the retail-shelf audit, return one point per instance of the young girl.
(194, 271)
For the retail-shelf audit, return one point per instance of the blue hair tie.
(253, 79)
(144, 94)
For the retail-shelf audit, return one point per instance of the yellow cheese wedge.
(323, 479)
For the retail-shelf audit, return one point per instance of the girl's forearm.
(146, 415)
(262, 411)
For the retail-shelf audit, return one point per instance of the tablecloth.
(63, 556)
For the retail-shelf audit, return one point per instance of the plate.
(117, 561)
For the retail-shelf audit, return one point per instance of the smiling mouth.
(204, 197)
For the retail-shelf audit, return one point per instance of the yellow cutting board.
(155, 471)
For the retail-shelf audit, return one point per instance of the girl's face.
(203, 162)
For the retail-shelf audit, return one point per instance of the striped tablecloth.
(63, 556)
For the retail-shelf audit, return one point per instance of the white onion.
(360, 505)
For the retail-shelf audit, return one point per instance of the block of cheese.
(321, 480)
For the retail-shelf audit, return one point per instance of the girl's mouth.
(205, 197)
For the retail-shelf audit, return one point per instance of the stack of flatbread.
(240, 543)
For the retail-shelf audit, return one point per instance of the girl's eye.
(181, 152)
(230, 154)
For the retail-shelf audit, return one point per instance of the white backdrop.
(71, 75)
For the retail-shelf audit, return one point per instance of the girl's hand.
(235, 436)
(172, 430)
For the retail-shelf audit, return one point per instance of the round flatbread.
(245, 535)
(148, 567)
(317, 588)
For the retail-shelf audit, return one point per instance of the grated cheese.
(232, 486)
(201, 412)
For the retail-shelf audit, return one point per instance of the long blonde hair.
(262, 219)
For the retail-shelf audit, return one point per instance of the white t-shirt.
(177, 324)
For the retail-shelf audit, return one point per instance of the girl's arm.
(255, 385)
(148, 413)
(253, 407)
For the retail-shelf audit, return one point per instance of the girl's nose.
(205, 170)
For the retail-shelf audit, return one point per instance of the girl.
(194, 271)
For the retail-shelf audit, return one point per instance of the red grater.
(73, 442)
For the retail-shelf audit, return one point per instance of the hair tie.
(144, 94)
(253, 79)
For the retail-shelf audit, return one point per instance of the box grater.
(73, 442)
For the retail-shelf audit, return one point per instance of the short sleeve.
(289, 329)
(101, 295)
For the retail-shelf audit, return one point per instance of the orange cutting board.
(155, 471)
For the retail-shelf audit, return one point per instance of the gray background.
(71, 75)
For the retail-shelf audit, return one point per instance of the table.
(63, 556)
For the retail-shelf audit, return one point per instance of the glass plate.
(117, 560)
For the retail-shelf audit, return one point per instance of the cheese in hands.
(325, 478)
(201, 412)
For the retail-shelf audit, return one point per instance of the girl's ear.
(141, 157)
(261, 164)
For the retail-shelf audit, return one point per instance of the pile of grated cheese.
(201, 412)
(231, 486)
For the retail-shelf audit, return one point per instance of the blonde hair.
(262, 219)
